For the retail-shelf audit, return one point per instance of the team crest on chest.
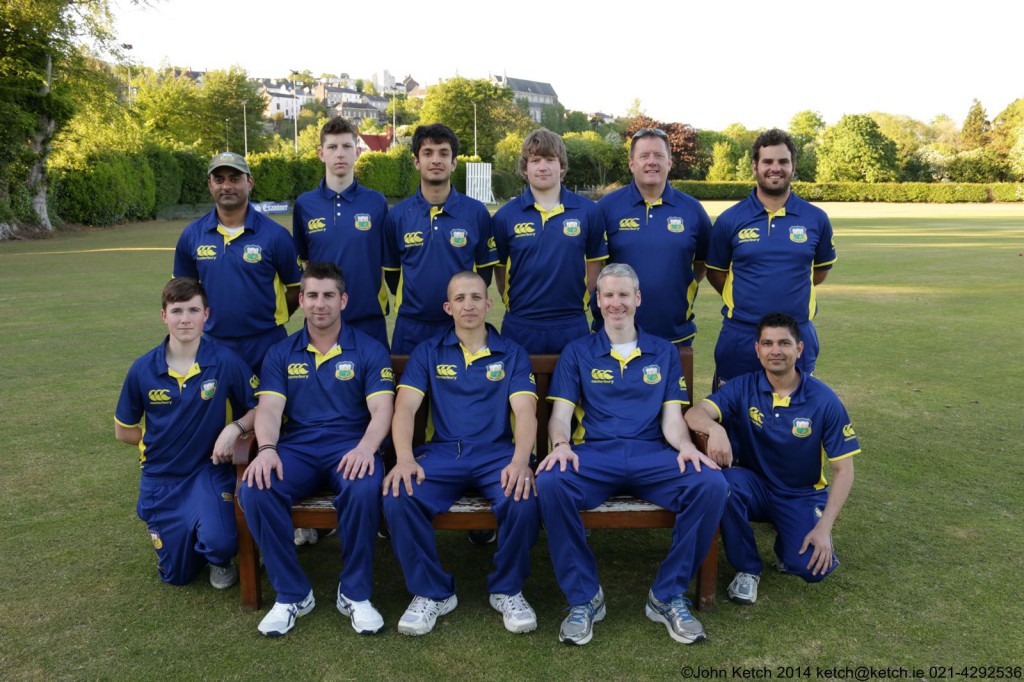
(652, 374)
(252, 253)
(675, 224)
(345, 370)
(798, 234)
(362, 222)
(571, 228)
(459, 238)
(801, 427)
(208, 388)
(496, 371)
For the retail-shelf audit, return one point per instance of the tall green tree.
(909, 135)
(805, 128)
(1005, 125)
(41, 55)
(497, 114)
(855, 150)
(975, 131)
(722, 165)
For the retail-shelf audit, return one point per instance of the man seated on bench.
(185, 391)
(335, 385)
(777, 427)
(473, 377)
(631, 388)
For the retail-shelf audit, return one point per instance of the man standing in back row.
(550, 246)
(342, 222)
(431, 236)
(768, 253)
(660, 232)
(245, 261)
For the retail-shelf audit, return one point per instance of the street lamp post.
(295, 111)
(128, 47)
(227, 147)
(245, 130)
(474, 128)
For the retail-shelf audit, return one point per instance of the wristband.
(241, 429)
(561, 442)
(268, 446)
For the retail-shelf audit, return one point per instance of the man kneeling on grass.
(177, 406)
(475, 380)
(777, 428)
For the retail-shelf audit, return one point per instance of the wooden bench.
(473, 513)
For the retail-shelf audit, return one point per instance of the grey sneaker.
(578, 626)
(223, 577)
(422, 614)
(743, 588)
(675, 616)
(516, 612)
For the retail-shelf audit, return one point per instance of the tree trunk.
(37, 183)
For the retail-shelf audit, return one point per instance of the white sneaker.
(422, 614)
(281, 619)
(306, 536)
(223, 577)
(366, 620)
(743, 588)
(517, 613)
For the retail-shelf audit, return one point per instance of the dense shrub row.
(896, 192)
(115, 187)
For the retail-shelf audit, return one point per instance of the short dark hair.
(770, 138)
(338, 126)
(465, 274)
(322, 270)
(777, 320)
(182, 289)
(437, 133)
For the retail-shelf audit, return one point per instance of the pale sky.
(708, 64)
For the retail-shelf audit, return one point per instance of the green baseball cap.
(228, 160)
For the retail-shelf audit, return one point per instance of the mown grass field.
(922, 329)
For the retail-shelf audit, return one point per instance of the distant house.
(410, 84)
(281, 99)
(356, 111)
(537, 95)
(377, 101)
(331, 96)
(194, 76)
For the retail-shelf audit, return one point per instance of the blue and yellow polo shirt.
(785, 440)
(182, 415)
(770, 258)
(244, 276)
(621, 397)
(326, 394)
(429, 244)
(546, 255)
(470, 393)
(661, 241)
(346, 229)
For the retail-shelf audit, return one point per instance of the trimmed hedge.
(894, 192)
(392, 173)
(167, 176)
(114, 187)
(193, 178)
(506, 185)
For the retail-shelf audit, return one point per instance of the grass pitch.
(921, 324)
